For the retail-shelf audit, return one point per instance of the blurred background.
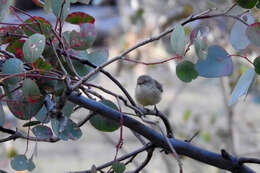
(201, 105)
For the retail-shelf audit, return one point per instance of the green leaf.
(9, 34)
(4, 8)
(16, 48)
(31, 123)
(65, 129)
(60, 8)
(12, 66)
(186, 71)
(20, 107)
(257, 65)
(30, 165)
(68, 108)
(33, 47)
(79, 18)
(97, 57)
(84, 39)
(42, 115)
(42, 132)
(41, 64)
(247, 3)
(103, 124)
(201, 47)
(30, 90)
(19, 162)
(118, 167)
(253, 33)
(178, 40)
(37, 24)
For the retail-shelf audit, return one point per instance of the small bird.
(148, 91)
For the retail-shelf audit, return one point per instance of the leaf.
(9, 34)
(37, 24)
(42, 115)
(103, 124)
(31, 165)
(257, 65)
(118, 167)
(253, 33)
(20, 107)
(30, 90)
(68, 108)
(19, 162)
(238, 37)
(31, 123)
(186, 71)
(33, 47)
(97, 57)
(16, 48)
(186, 115)
(202, 30)
(178, 40)
(85, 38)
(201, 48)
(12, 66)
(4, 8)
(48, 85)
(42, 132)
(65, 129)
(218, 63)
(247, 3)
(79, 18)
(242, 85)
(39, 3)
(41, 64)
(60, 8)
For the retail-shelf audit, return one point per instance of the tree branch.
(181, 147)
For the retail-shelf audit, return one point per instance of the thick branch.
(181, 147)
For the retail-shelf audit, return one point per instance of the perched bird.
(148, 91)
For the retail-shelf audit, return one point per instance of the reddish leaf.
(9, 34)
(79, 18)
(37, 24)
(16, 48)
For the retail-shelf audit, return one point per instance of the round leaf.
(118, 167)
(247, 3)
(33, 27)
(20, 106)
(12, 66)
(79, 17)
(178, 40)
(103, 124)
(83, 39)
(253, 33)
(33, 47)
(218, 63)
(30, 90)
(238, 37)
(186, 71)
(9, 34)
(16, 48)
(66, 129)
(19, 163)
(42, 132)
(257, 65)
